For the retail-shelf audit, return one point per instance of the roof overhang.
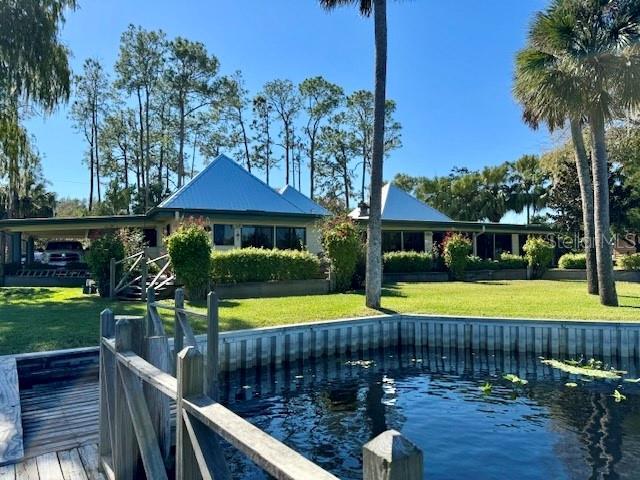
(231, 214)
(458, 226)
(73, 224)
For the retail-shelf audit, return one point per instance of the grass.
(35, 319)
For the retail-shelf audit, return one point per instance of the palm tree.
(595, 44)
(550, 95)
(374, 225)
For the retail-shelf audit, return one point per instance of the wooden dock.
(79, 463)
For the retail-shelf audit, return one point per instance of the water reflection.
(328, 409)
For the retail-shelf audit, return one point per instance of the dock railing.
(136, 389)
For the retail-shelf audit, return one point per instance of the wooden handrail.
(269, 454)
(154, 260)
(139, 254)
(164, 306)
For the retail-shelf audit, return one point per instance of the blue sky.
(450, 69)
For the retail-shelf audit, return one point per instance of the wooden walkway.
(73, 464)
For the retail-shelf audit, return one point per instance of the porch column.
(237, 236)
(428, 242)
(15, 247)
(475, 244)
(30, 251)
(3, 247)
(515, 243)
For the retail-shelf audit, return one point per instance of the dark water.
(327, 410)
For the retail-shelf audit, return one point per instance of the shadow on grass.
(25, 294)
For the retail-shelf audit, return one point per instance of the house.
(409, 224)
(240, 210)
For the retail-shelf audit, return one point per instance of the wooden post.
(151, 298)
(178, 334)
(190, 374)
(125, 454)
(144, 274)
(112, 278)
(213, 334)
(390, 456)
(107, 368)
(158, 403)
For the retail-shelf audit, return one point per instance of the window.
(391, 241)
(150, 237)
(413, 241)
(223, 235)
(291, 238)
(257, 236)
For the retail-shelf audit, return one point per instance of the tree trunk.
(181, 146)
(600, 167)
(374, 226)
(91, 177)
(140, 167)
(147, 152)
(245, 140)
(312, 165)
(286, 152)
(586, 195)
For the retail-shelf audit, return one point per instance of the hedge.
(262, 265)
(407, 262)
(573, 261)
(629, 262)
(505, 261)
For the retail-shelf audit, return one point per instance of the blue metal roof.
(225, 186)
(303, 202)
(399, 205)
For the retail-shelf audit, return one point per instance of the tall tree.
(374, 225)
(529, 185)
(191, 77)
(337, 148)
(233, 104)
(596, 42)
(360, 107)
(262, 141)
(321, 98)
(34, 70)
(285, 102)
(139, 68)
(87, 113)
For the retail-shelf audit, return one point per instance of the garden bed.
(285, 288)
(579, 274)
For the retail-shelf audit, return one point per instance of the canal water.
(544, 429)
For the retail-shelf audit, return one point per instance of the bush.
(190, 251)
(508, 261)
(260, 265)
(539, 255)
(573, 261)
(98, 258)
(407, 262)
(342, 245)
(629, 262)
(475, 263)
(457, 249)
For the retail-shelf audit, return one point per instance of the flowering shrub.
(342, 245)
(539, 255)
(457, 249)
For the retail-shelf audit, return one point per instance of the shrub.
(508, 261)
(457, 249)
(573, 261)
(98, 258)
(475, 263)
(342, 245)
(190, 251)
(539, 255)
(629, 262)
(407, 262)
(260, 265)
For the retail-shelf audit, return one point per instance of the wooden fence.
(138, 263)
(137, 389)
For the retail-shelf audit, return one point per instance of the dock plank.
(71, 465)
(49, 467)
(27, 470)
(8, 472)
(11, 444)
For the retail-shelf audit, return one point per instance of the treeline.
(544, 188)
(167, 107)
(487, 194)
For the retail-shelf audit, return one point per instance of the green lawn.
(51, 318)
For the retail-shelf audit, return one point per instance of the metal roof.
(303, 202)
(398, 205)
(225, 186)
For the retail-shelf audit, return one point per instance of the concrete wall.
(273, 289)
(562, 274)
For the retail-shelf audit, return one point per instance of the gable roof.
(227, 187)
(399, 205)
(303, 202)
